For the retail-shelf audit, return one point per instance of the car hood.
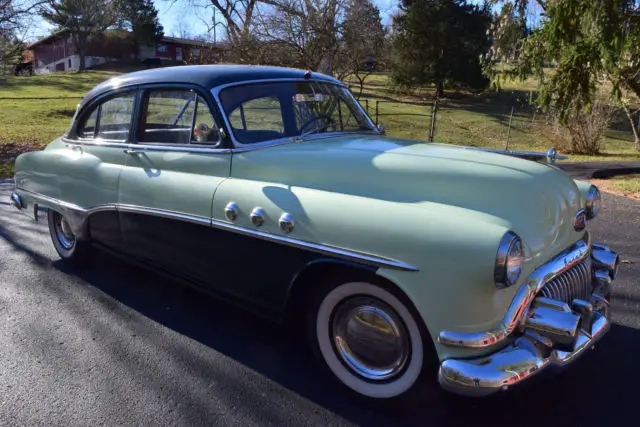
(537, 201)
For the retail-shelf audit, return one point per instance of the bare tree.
(14, 20)
(309, 27)
(363, 38)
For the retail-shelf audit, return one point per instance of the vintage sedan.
(272, 188)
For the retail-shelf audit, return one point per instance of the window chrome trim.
(94, 142)
(240, 147)
(323, 249)
(187, 148)
(562, 262)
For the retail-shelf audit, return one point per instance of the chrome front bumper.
(549, 333)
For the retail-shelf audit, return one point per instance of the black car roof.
(207, 76)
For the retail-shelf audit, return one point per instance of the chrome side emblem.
(580, 221)
(231, 211)
(286, 222)
(257, 217)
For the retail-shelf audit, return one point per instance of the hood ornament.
(552, 155)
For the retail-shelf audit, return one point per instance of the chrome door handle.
(133, 151)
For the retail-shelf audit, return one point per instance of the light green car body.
(437, 211)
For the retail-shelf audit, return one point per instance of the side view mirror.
(382, 128)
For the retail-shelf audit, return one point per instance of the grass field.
(481, 120)
(625, 185)
(28, 121)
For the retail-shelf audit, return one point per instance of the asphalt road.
(117, 345)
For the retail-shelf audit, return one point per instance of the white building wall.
(71, 63)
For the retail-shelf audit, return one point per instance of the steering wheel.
(315, 119)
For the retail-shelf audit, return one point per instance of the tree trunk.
(439, 89)
(136, 48)
(81, 46)
(326, 65)
(636, 133)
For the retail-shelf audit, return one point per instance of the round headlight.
(509, 260)
(593, 202)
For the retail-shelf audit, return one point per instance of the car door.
(90, 171)
(167, 184)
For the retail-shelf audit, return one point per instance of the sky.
(178, 18)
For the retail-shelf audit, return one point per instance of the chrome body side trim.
(562, 262)
(359, 257)
(77, 216)
(194, 219)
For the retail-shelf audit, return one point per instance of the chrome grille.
(573, 283)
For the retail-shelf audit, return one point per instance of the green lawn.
(625, 185)
(480, 120)
(474, 120)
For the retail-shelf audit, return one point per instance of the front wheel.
(368, 338)
(65, 242)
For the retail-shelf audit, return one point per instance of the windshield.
(265, 111)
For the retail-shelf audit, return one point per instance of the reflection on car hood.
(535, 200)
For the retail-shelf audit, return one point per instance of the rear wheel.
(65, 242)
(369, 338)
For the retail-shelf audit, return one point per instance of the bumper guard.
(552, 334)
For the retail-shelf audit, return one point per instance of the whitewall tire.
(369, 339)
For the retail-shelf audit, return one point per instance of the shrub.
(586, 129)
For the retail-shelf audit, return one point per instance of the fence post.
(432, 124)
(506, 147)
(366, 103)
(377, 102)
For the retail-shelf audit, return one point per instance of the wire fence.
(516, 126)
(479, 124)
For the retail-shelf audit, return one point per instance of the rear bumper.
(551, 334)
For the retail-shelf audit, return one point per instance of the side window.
(110, 119)
(177, 116)
(259, 114)
(205, 130)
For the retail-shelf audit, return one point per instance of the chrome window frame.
(241, 147)
(146, 88)
(72, 139)
(84, 111)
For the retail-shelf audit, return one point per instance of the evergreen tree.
(441, 42)
(141, 18)
(590, 41)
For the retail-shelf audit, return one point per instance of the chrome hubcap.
(370, 338)
(63, 232)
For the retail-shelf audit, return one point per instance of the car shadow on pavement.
(598, 389)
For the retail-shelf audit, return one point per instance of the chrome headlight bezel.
(511, 248)
(593, 202)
